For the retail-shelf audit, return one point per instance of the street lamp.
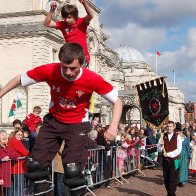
(180, 114)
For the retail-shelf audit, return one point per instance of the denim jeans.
(59, 189)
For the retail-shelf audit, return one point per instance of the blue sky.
(154, 25)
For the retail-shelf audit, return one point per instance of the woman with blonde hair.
(18, 167)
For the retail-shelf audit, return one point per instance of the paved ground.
(149, 185)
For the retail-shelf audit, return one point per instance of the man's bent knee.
(74, 178)
(34, 170)
(73, 175)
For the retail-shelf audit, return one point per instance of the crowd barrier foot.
(91, 192)
(124, 179)
(140, 172)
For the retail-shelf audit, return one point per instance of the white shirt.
(171, 154)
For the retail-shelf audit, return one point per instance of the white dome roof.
(128, 54)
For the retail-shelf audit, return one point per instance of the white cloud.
(148, 25)
(147, 12)
(188, 88)
(135, 36)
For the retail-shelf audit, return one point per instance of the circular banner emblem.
(154, 106)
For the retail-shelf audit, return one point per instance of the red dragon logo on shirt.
(66, 103)
(80, 93)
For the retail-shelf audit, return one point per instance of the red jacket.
(5, 166)
(18, 166)
(31, 120)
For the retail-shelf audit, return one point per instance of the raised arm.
(48, 22)
(10, 85)
(116, 114)
(89, 12)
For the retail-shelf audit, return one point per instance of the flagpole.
(156, 64)
(174, 75)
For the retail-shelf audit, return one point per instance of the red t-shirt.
(70, 99)
(75, 33)
(31, 120)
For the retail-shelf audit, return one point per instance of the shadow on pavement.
(131, 191)
(155, 180)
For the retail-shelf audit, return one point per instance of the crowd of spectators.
(129, 143)
(131, 140)
(14, 147)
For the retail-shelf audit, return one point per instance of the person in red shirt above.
(33, 118)
(31, 121)
(72, 27)
(71, 87)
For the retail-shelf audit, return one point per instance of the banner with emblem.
(153, 97)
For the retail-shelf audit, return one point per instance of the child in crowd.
(26, 140)
(72, 27)
(32, 119)
(142, 137)
(30, 122)
(122, 154)
(134, 143)
(95, 122)
(17, 124)
(6, 153)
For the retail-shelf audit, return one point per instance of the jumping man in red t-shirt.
(71, 87)
(72, 27)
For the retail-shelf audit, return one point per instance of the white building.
(137, 71)
(25, 43)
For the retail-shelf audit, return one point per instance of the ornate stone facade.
(25, 43)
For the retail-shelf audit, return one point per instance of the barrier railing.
(102, 167)
(105, 166)
(13, 180)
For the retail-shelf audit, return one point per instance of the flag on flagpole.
(15, 105)
(158, 53)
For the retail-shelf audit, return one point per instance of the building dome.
(128, 54)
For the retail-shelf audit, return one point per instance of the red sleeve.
(42, 73)
(60, 25)
(18, 147)
(28, 121)
(34, 121)
(102, 86)
(12, 153)
(82, 22)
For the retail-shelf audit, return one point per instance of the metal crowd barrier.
(13, 174)
(102, 167)
(15, 183)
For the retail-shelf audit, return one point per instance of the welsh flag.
(15, 105)
(158, 53)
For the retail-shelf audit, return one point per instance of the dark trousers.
(170, 175)
(50, 137)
